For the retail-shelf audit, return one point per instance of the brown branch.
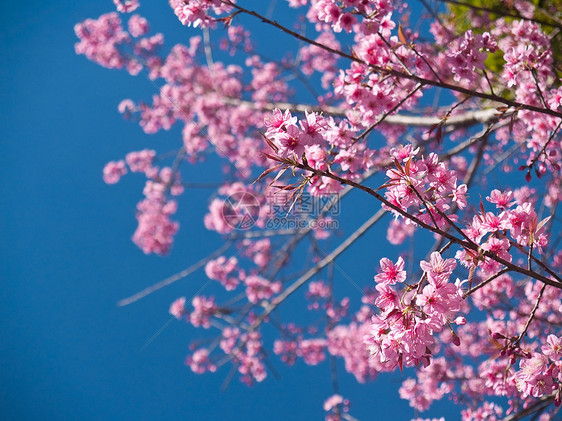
(531, 316)
(539, 405)
(464, 243)
(393, 72)
(484, 283)
(500, 13)
(533, 258)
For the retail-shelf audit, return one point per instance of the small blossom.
(391, 273)
(126, 6)
(177, 309)
(437, 269)
(113, 171)
(553, 347)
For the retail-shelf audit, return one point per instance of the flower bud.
(456, 339)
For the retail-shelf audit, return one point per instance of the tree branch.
(466, 244)
(500, 13)
(466, 118)
(394, 72)
(318, 267)
(170, 280)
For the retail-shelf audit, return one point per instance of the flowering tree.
(451, 124)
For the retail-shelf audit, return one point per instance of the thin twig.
(318, 267)
(168, 281)
(537, 406)
(484, 283)
(531, 316)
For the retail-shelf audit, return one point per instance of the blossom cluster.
(290, 138)
(126, 6)
(469, 53)
(312, 351)
(502, 316)
(520, 222)
(308, 139)
(196, 12)
(155, 230)
(403, 333)
(424, 187)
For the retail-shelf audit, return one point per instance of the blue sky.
(67, 351)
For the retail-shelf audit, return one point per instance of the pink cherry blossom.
(391, 273)
(423, 122)
(113, 171)
(203, 309)
(553, 347)
(177, 309)
(437, 269)
(126, 6)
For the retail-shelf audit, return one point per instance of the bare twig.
(484, 283)
(532, 315)
(318, 267)
(170, 280)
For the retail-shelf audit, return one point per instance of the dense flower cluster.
(403, 334)
(468, 54)
(478, 318)
(424, 187)
(100, 40)
(155, 230)
(196, 12)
